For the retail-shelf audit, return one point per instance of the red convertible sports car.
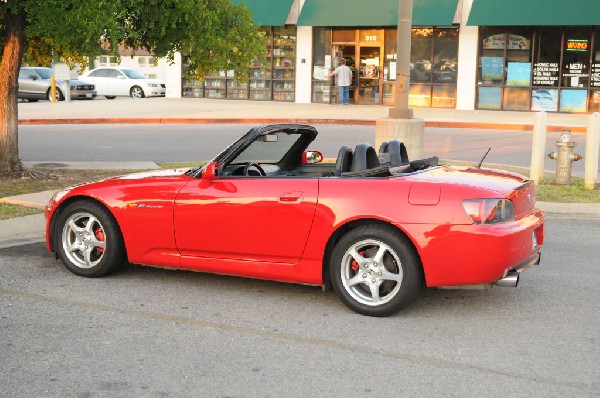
(375, 226)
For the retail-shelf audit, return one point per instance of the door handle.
(291, 197)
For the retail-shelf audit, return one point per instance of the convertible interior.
(282, 153)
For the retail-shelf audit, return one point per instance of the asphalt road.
(199, 142)
(151, 332)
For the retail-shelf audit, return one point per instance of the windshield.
(45, 73)
(133, 74)
(272, 151)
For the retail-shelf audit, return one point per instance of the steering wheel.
(248, 165)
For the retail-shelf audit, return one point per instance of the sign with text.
(595, 76)
(545, 74)
(577, 45)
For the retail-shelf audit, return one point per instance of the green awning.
(268, 12)
(534, 12)
(374, 13)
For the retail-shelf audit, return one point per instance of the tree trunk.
(9, 83)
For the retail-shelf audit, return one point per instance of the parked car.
(377, 228)
(34, 85)
(116, 81)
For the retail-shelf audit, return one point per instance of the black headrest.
(344, 160)
(365, 158)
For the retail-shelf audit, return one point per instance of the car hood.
(153, 174)
(503, 182)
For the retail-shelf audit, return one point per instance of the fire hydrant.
(564, 158)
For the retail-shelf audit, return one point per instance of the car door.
(28, 82)
(246, 218)
(119, 84)
(99, 78)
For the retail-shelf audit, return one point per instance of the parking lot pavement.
(152, 332)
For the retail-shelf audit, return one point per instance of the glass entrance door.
(347, 52)
(369, 75)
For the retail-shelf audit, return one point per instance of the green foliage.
(210, 34)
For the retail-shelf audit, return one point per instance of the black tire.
(88, 240)
(136, 92)
(59, 95)
(396, 278)
(110, 96)
(32, 100)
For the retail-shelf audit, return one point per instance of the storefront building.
(465, 54)
(545, 57)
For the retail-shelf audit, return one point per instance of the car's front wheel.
(88, 239)
(136, 92)
(59, 95)
(375, 270)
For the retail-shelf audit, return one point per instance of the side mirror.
(210, 171)
(33, 77)
(312, 157)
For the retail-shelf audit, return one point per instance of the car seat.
(365, 163)
(344, 161)
(393, 153)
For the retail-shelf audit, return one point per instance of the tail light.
(489, 211)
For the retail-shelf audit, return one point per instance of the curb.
(360, 122)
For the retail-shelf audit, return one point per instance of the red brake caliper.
(355, 264)
(99, 234)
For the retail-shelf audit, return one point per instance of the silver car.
(34, 84)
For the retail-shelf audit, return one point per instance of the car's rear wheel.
(110, 96)
(59, 95)
(375, 270)
(32, 100)
(88, 240)
(136, 92)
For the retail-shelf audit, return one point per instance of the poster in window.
(545, 74)
(544, 100)
(492, 69)
(573, 100)
(490, 98)
(494, 42)
(320, 73)
(518, 74)
(517, 42)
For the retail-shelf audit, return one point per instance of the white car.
(114, 81)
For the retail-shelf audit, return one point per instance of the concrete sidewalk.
(202, 110)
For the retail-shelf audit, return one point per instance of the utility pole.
(401, 109)
(400, 123)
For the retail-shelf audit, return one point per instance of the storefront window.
(445, 68)
(371, 55)
(321, 86)
(270, 78)
(433, 67)
(539, 69)
(491, 59)
(420, 55)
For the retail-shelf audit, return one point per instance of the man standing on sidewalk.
(344, 77)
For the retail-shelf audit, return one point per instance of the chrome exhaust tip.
(510, 280)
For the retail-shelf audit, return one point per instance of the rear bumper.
(478, 254)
